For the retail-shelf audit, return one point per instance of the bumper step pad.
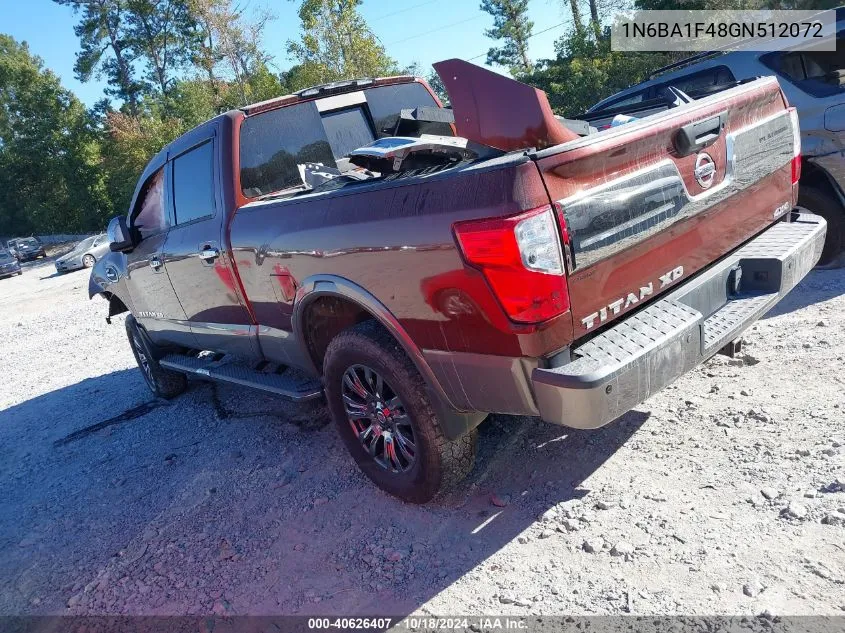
(293, 388)
(624, 365)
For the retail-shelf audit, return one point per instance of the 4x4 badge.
(705, 170)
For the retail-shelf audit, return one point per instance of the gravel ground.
(725, 494)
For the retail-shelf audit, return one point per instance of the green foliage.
(172, 64)
(50, 176)
(103, 28)
(438, 86)
(164, 34)
(336, 44)
(512, 26)
(665, 5)
(586, 70)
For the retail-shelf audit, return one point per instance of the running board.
(296, 389)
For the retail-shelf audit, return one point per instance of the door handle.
(209, 254)
(155, 263)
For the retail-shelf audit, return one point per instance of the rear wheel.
(821, 203)
(381, 407)
(88, 261)
(162, 382)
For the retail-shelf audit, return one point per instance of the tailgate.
(642, 214)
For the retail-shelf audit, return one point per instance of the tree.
(50, 177)
(512, 26)
(438, 86)
(164, 35)
(586, 70)
(106, 48)
(230, 53)
(594, 18)
(576, 17)
(336, 44)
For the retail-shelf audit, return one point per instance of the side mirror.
(120, 239)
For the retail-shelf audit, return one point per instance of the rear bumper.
(623, 366)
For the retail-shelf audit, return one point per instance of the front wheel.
(162, 382)
(88, 261)
(381, 407)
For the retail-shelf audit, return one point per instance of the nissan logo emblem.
(705, 170)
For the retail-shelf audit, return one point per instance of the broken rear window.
(276, 142)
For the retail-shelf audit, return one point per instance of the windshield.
(85, 244)
(276, 144)
(28, 241)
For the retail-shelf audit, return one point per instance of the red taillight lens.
(796, 169)
(796, 152)
(521, 258)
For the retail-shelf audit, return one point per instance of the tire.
(820, 203)
(88, 261)
(162, 382)
(436, 463)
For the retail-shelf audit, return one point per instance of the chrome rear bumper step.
(292, 388)
(623, 366)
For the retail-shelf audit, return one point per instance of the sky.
(421, 31)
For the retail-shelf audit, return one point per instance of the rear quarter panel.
(395, 241)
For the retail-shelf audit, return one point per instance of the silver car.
(9, 264)
(85, 254)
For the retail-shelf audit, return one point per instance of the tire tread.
(455, 458)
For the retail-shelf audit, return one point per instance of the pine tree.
(512, 26)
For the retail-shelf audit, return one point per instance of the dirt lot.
(722, 495)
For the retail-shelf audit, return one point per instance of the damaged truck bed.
(421, 267)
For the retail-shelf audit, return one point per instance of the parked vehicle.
(501, 265)
(85, 254)
(26, 248)
(813, 81)
(9, 265)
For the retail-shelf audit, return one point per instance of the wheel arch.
(364, 304)
(816, 176)
(116, 304)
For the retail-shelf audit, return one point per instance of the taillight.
(521, 258)
(796, 145)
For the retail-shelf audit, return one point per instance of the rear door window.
(193, 184)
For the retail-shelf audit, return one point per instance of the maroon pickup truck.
(421, 267)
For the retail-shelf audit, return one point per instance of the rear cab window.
(274, 145)
(702, 82)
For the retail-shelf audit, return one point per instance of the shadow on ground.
(229, 501)
(816, 287)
